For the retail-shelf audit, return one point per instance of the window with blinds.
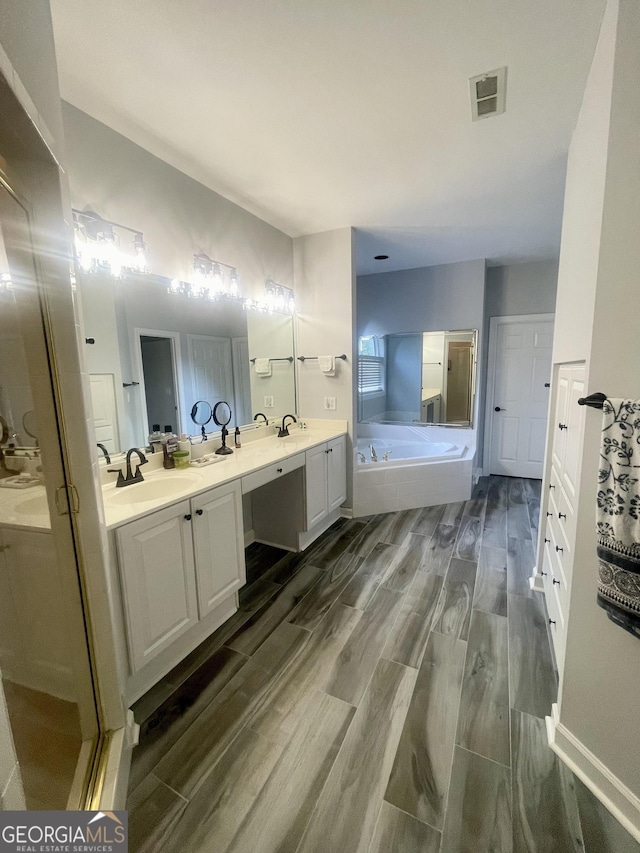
(371, 365)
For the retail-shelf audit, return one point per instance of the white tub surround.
(426, 466)
(177, 538)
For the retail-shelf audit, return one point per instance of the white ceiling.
(318, 114)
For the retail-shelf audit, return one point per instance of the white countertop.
(25, 508)
(253, 456)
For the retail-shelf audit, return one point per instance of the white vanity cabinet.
(176, 566)
(325, 480)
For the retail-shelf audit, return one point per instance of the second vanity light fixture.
(277, 297)
(100, 246)
(210, 279)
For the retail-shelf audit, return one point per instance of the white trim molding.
(612, 793)
(494, 322)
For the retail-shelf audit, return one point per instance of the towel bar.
(288, 358)
(594, 401)
(315, 357)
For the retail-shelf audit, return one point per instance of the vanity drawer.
(271, 472)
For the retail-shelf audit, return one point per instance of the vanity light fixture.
(6, 285)
(209, 280)
(98, 245)
(279, 297)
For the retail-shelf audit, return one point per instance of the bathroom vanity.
(177, 539)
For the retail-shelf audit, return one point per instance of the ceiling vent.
(488, 94)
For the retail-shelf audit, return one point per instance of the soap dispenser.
(236, 437)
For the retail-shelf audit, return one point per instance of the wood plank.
(278, 712)
(375, 531)
(253, 596)
(440, 548)
(467, 545)
(419, 780)
(356, 662)
(180, 709)
(453, 612)
(196, 752)
(153, 810)
(362, 587)
(491, 581)
(281, 811)
(397, 832)
(257, 628)
(498, 491)
(408, 638)
(345, 816)
(518, 522)
(532, 675)
(401, 525)
(310, 611)
(326, 556)
(520, 562)
(545, 809)
(428, 520)
(479, 808)
(453, 513)
(495, 537)
(483, 723)
(516, 493)
(407, 561)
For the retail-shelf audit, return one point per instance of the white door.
(520, 362)
(211, 372)
(103, 404)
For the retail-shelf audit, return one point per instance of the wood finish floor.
(384, 692)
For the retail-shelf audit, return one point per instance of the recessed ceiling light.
(380, 257)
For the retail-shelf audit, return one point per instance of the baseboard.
(535, 581)
(249, 537)
(346, 512)
(612, 793)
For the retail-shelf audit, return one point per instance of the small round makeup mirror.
(222, 415)
(201, 414)
(30, 424)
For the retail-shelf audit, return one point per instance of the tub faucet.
(284, 429)
(385, 456)
(130, 477)
(106, 453)
(374, 455)
(361, 457)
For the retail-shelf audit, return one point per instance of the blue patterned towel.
(618, 514)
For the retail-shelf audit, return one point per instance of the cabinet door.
(316, 484)
(560, 417)
(218, 538)
(155, 556)
(574, 433)
(336, 473)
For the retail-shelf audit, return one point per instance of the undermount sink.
(33, 506)
(153, 490)
(297, 440)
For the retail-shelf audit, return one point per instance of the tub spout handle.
(374, 455)
(385, 456)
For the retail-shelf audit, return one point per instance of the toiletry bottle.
(236, 437)
(155, 439)
(169, 445)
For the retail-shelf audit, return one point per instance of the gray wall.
(510, 291)
(178, 216)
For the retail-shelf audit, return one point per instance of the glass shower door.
(45, 670)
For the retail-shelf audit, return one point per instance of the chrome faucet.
(284, 429)
(130, 476)
(374, 455)
(361, 457)
(106, 453)
(261, 415)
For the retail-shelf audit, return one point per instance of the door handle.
(498, 409)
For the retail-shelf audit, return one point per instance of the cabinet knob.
(330, 450)
(559, 549)
(562, 515)
(199, 511)
(551, 486)
(552, 621)
(187, 517)
(544, 574)
(562, 426)
(499, 409)
(554, 581)
(547, 540)
(549, 515)
(279, 470)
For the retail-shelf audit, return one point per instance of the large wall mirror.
(155, 353)
(419, 378)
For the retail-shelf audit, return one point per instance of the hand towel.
(263, 366)
(327, 364)
(618, 514)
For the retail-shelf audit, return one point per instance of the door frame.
(177, 372)
(494, 324)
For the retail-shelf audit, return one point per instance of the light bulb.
(217, 282)
(175, 286)
(140, 258)
(292, 303)
(234, 287)
(280, 301)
